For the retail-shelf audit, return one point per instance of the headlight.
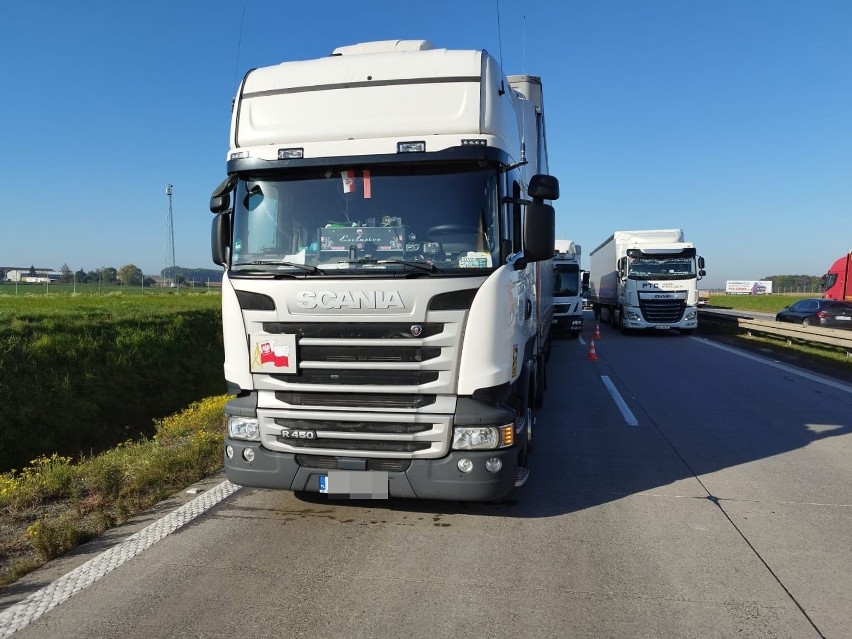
(475, 438)
(244, 428)
(690, 315)
(482, 437)
(632, 315)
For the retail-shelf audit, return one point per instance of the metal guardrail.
(838, 338)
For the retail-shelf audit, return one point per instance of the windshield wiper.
(305, 267)
(423, 266)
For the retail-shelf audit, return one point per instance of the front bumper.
(424, 478)
(641, 324)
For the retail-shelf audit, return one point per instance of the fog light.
(465, 465)
(229, 451)
(248, 455)
(493, 464)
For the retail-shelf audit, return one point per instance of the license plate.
(355, 484)
(662, 328)
(844, 319)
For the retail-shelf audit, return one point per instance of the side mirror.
(220, 203)
(543, 187)
(700, 262)
(221, 199)
(702, 273)
(220, 239)
(539, 232)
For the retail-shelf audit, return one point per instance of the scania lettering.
(386, 231)
(349, 299)
(646, 280)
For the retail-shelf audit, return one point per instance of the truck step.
(521, 476)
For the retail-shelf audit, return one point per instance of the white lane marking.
(787, 369)
(34, 606)
(581, 340)
(619, 401)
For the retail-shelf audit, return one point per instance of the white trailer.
(383, 228)
(646, 279)
(567, 288)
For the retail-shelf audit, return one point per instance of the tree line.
(794, 282)
(132, 275)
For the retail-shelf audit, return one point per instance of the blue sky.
(731, 119)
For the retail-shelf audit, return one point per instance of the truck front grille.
(337, 426)
(338, 330)
(359, 377)
(354, 400)
(368, 353)
(357, 444)
(662, 311)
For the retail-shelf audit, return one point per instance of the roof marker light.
(410, 147)
(291, 154)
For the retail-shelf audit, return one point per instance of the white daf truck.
(567, 288)
(646, 280)
(382, 228)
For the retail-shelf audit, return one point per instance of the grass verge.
(55, 503)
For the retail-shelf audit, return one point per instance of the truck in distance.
(567, 288)
(837, 283)
(646, 279)
(382, 228)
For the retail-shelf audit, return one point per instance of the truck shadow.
(586, 455)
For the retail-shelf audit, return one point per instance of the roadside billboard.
(748, 287)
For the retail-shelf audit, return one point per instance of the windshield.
(661, 268)
(428, 219)
(566, 280)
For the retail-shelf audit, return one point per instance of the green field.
(60, 290)
(80, 373)
(757, 303)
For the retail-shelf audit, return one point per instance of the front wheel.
(806, 322)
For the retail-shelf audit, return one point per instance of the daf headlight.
(690, 315)
(482, 437)
(246, 428)
(632, 315)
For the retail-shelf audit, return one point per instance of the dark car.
(818, 312)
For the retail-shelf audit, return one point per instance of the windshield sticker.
(475, 260)
(348, 178)
(367, 192)
(273, 353)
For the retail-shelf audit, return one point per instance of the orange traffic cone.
(592, 356)
(597, 330)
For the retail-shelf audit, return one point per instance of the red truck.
(837, 283)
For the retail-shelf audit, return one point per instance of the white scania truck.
(567, 288)
(382, 227)
(646, 280)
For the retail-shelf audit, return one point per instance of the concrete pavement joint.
(34, 606)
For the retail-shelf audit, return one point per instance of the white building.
(33, 275)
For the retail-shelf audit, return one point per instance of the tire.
(806, 322)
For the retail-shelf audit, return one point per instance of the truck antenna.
(239, 45)
(500, 46)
